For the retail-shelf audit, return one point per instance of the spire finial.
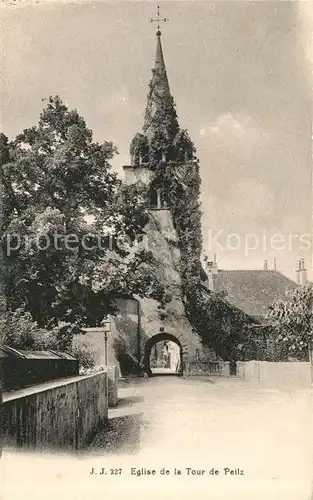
(159, 20)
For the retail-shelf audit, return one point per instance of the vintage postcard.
(156, 283)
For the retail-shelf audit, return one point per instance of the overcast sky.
(240, 75)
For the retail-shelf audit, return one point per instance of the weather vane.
(159, 20)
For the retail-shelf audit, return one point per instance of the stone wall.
(63, 414)
(291, 374)
(133, 175)
(123, 338)
(162, 242)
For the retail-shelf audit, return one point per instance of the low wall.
(219, 368)
(295, 374)
(62, 414)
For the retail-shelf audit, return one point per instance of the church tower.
(162, 141)
(162, 156)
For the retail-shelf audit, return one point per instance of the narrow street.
(258, 438)
(220, 423)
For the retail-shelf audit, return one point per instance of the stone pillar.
(225, 371)
(113, 373)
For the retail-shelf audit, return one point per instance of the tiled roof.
(252, 291)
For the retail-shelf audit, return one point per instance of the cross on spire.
(159, 20)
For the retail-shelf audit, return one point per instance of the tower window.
(158, 155)
(188, 155)
(136, 160)
(164, 201)
(153, 198)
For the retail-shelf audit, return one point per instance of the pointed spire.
(160, 111)
(162, 140)
(159, 60)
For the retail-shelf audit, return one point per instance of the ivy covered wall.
(168, 153)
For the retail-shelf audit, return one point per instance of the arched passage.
(152, 341)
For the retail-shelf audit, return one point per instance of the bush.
(84, 355)
(20, 331)
(63, 334)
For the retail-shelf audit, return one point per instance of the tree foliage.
(71, 227)
(20, 331)
(57, 164)
(291, 324)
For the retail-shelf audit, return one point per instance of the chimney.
(274, 265)
(265, 267)
(302, 277)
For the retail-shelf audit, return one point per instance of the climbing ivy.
(168, 151)
(177, 177)
(180, 185)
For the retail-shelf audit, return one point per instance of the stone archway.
(152, 341)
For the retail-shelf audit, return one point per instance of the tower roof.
(159, 65)
(162, 139)
(160, 112)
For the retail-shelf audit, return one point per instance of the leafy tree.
(56, 164)
(64, 208)
(291, 324)
(20, 331)
(85, 357)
